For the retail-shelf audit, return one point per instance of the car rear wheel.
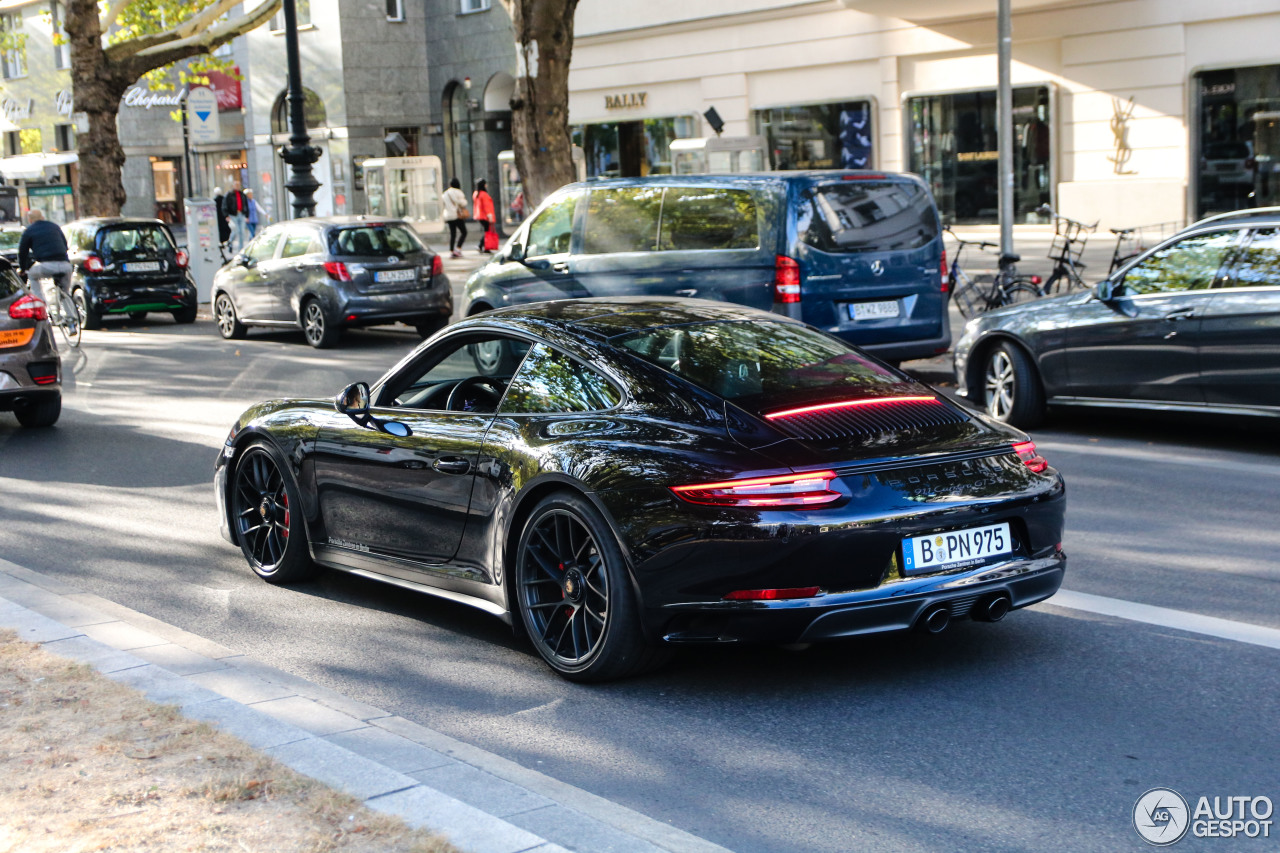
(89, 318)
(573, 594)
(264, 514)
(40, 413)
(185, 315)
(229, 325)
(1011, 389)
(319, 328)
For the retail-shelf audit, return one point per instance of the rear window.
(134, 240)
(757, 363)
(867, 216)
(375, 240)
(647, 219)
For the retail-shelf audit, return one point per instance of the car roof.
(607, 317)
(105, 221)
(361, 219)
(1248, 215)
(720, 179)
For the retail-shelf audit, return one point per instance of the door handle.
(560, 266)
(1182, 314)
(451, 465)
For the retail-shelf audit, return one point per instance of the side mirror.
(515, 252)
(353, 400)
(1106, 290)
(245, 261)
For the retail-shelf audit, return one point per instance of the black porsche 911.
(615, 476)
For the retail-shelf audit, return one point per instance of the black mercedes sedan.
(616, 476)
(1191, 325)
(327, 274)
(127, 266)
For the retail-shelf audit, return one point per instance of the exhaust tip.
(935, 620)
(994, 608)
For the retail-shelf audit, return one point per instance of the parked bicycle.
(974, 295)
(64, 314)
(1131, 242)
(1069, 239)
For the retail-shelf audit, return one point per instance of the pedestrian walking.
(255, 215)
(482, 212)
(237, 209)
(224, 225)
(42, 255)
(456, 215)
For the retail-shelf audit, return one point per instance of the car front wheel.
(224, 312)
(265, 516)
(1011, 390)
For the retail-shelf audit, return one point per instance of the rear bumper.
(891, 607)
(367, 309)
(16, 398)
(160, 296)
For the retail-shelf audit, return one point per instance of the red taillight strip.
(803, 489)
(760, 481)
(846, 404)
(773, 594)
(1026, 451)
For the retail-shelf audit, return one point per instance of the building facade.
(1130, 112)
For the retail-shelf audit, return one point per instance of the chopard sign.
(625, 101)
(63, 103)
(16, 110)
(139, 96)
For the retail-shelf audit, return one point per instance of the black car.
(130, 267)
(1191, 325)
(615, 476)
(326, 274)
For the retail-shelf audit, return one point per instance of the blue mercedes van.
(856, 253)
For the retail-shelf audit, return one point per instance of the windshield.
(380, 240)
(759, 363)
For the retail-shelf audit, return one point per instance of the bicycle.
(1131, 242)
(64, 315)
(977, 295)
(1069, 238)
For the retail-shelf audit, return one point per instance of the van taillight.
(946, 284)
(786, 280)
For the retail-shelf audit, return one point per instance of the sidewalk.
(484, 803)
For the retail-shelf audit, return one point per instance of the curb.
(484, 803)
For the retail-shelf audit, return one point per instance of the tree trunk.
(540, 105)
(97, 92)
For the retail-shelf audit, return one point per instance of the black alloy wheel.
(1010, 388)
(321, 331)
(573, 596)
(224, 313)
(89, 318)
(264, 514)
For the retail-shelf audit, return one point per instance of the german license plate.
(873, 310)
(955, 549)
(395, 275)
(142, 266)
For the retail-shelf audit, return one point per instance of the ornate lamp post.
(298, 153)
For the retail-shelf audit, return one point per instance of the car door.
(543, 249)
(1240, 330)
(403, 499)
(1143, 344)
(252, 293)
(301, 257)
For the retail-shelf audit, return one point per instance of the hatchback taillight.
(786, 280)
(93, 263)
(1026, 451)
(807, 489)
(337, 270)
(437, 266)
(29, 308)
(182, 259)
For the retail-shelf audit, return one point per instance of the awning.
(31, 167)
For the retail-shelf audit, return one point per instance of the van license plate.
(873, 310)
(395, 275)
(142, 266)
(955, 549)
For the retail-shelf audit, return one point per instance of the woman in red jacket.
(482, 212)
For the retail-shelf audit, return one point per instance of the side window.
(624, 219)
(1190, 264)
(550, 382)
(1259, 264)
(468, 374)
(263, 248)
(551, 232)
(709, 218)
(298, 243)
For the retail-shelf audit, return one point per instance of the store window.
(64, 137)
(30, 140)
(62, 45)
(819, 136)
(631, 149)
(952, 144)
(1238, 138)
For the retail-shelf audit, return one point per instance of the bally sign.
(139, 96)
(625, 101)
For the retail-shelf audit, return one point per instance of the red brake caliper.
(285, 501)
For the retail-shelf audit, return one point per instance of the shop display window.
(1237, 138)
(819, 136)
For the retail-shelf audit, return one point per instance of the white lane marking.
(1240, 632)
(1168, 456)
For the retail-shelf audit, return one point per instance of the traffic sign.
(202, 115)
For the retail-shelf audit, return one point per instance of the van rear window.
(867, 216)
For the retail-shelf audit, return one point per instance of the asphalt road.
(1037, 733)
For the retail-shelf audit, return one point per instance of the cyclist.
(42, 255)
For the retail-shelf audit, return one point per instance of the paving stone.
(341, 768)
(178, 659)
(31, 627)
(579, 832)
(241, 686)
(70, 613)
(257, 730)
(122, 635)
(26, 575)
(150, 624)
(394, 751)
(466, 826)
(308, 714)
(98, 655)
(480, 789)
(310, 690)
(163, 687)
